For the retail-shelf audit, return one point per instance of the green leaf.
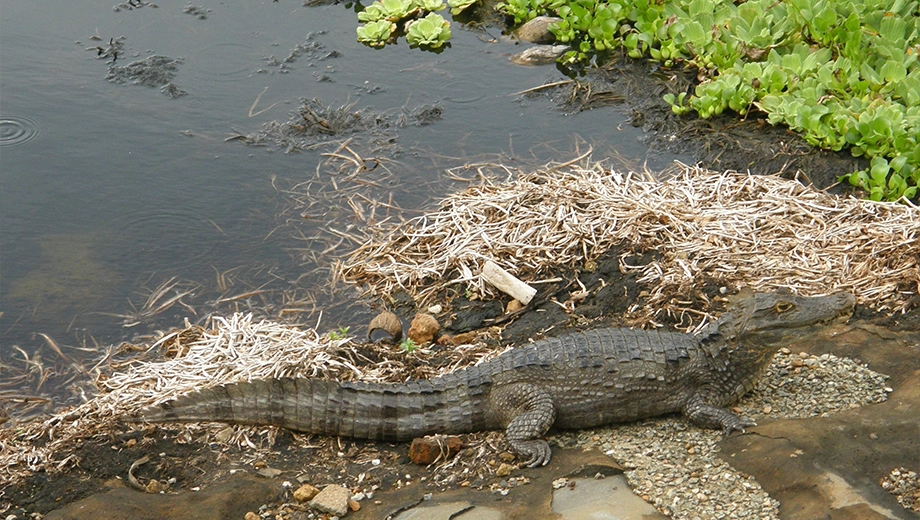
(878, 170)
(893, 71)
(376, 33)
(431, 31)
(429, 5)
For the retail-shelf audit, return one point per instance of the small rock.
(504, 470)
(155, 486)
(354, 505)
(767, 409)
(513, 306)
(333, 499)
(539, 55)
(223, 435)
(537, 30)
(423, 328)
(464, 339)
(305, 493)
(251, 516)
(426, 450)
(506, 456)
(435, 309)
(269, 472)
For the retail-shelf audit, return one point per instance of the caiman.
(577, 380)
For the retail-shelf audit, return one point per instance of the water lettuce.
(376, 33)
(431, 31)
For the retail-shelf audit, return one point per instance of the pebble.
(675, 466)
(333, 499)
(905, 486)
(504, 469)
(305, 493)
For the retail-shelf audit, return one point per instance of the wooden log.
(507, 282)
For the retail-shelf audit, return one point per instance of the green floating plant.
(458, 6)
(391, 10)
(843, 74)
(431, 31)
(387, 19)
(376, 33)
(430, 5)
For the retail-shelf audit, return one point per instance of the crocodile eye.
(782, 307)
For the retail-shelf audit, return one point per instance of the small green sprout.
(340, 334)
(408, 346)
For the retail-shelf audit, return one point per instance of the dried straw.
(762, 232)
(237, 349)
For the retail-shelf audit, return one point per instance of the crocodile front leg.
(528, 412)
(704, 414)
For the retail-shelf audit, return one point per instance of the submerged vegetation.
(845, 75)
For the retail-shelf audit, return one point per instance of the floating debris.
(131, 5)
(112, 50)
(200, 12)
(313, 50)
(153, 71)
(315, 122)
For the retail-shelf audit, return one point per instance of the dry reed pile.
(730, 228)
(238, 348)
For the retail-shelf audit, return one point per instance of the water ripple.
(17, 130)
(462, 90)
(169, 238)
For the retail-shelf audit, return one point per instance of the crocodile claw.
(537, 451)
(739, 425)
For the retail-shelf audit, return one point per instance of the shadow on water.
(128, 209)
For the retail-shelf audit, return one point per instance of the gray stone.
(601, 499)
(230, 499)
(333, 499)
(450, 511)
(537, 30)
(539, 55)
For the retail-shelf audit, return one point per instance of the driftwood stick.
(507, 282)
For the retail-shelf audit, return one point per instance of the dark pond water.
(111, 190)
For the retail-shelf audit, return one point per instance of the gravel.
(674, 465)
(905, 486)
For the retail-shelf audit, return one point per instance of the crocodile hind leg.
(529, 412)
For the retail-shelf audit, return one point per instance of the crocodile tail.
(392, 412)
